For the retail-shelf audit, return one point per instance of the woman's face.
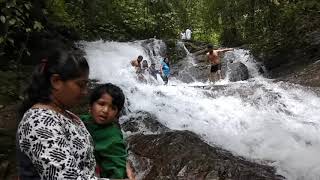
(103, 111)
(70, 92)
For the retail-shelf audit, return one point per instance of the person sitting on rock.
(106, 102)
(214, 60)
(136, 63)
(144, 66)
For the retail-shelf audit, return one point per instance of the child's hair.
(68, 64)
(144, 63)
(114, 91)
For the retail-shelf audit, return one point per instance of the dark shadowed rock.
(183, 155)
(238, 71)
(194, 46)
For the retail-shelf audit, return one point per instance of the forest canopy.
(262, 25)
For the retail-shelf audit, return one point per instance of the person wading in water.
(214, 60)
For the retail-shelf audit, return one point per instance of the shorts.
(215, 68)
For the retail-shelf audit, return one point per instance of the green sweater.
(110, 149)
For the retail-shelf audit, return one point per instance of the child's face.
(103, 111)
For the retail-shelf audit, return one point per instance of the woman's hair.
(114, 91)
(67, 64)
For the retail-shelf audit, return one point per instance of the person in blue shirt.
(165, 70)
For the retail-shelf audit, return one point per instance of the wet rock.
(142, 122)
(200, 58)
(198, 72)
(175, 50)
(154, 47)
(183, 155)
(238, 71)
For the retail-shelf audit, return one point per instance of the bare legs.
(219, 74)
(215, 76)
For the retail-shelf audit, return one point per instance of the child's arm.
(111, 153)
(113, 161)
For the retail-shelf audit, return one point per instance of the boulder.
(183, 155)
(198, 72)
(142, 122)
(237, 71)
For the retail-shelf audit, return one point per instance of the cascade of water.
(259, 119)
(245, 57)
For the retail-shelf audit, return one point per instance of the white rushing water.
(259, 119)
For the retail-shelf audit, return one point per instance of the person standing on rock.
(188, 34)
(165, 70)
(214, 60)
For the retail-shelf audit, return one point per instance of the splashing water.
(260, 119)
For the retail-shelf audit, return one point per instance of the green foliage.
(267, 25)
(15, 17)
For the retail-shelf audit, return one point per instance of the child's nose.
(105, 109)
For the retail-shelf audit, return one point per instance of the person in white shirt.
(188, 34)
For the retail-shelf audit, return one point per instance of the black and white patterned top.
(58, 147)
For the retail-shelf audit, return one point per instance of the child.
(144, 67)
(106, 103)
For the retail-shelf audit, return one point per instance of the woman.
(52, 142)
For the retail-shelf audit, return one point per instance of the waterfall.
(259, 119)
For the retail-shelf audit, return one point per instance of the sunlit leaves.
(3, 19)
(37, 26)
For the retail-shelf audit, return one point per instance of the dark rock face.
(194, 46)
(183, 155)
(238, 71)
